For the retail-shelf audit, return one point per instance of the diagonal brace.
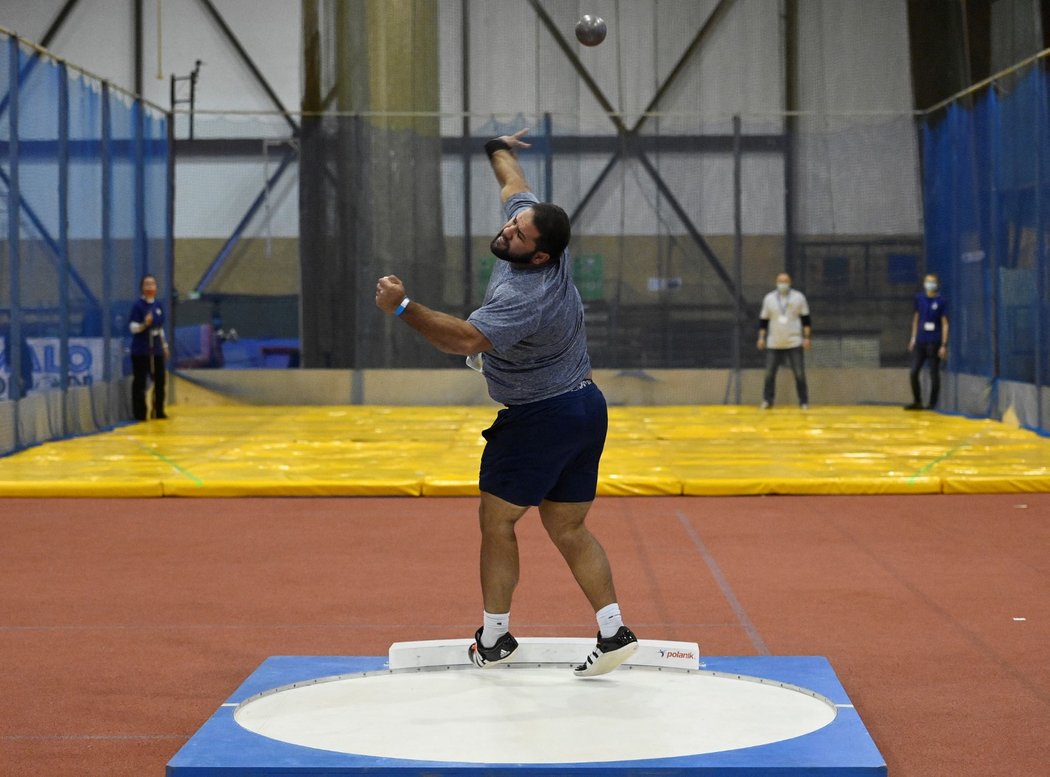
(236, 43)
(231, 242)
(56, 249)
(629, 135)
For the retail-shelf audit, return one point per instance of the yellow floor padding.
(434, 451)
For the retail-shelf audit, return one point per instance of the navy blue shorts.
(547, 449)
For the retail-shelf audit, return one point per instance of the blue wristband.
(401, 308)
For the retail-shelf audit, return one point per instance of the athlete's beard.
(501, 250)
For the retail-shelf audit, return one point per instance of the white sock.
(609, 620)
(496, 624)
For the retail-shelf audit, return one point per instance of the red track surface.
(125, 623)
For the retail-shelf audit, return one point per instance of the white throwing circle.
(536, 714)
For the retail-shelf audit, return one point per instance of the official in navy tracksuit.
(149, 350)
(929, 340)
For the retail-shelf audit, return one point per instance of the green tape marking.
(927, 467)
(181, 470)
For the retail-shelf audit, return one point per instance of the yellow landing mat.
(434, 451)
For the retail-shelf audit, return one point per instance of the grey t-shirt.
(784, 314)
(533, 316)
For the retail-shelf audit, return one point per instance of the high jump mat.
(369, 450)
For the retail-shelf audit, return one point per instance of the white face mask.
(930, 286)
(783, 288)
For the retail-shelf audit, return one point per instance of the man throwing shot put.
(544, 446)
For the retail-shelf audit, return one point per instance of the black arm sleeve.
(763, 325)
(806, 321)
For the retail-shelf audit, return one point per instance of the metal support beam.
(106, 230)
(687, 55)
(466, 156)
(65, 265)
(251, 65)
(139, 242)
(705, 29)
(790, 133)
(457, 145)
(138, 46)
(38, 225)
(169, 233)
(57, 22)
(227, 248)
(738, 252)
(577, 65)
(14, 198)
(52, 30)
(597, 183)
(628, 137)
(1042, 309)
(548, 159)
(694, 233)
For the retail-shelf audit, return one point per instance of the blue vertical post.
(141, 260)
(14, 198)
(1040, 92)
(63, 241)
(948, 133)
(169, 237)
(106, 230)
(995, 253)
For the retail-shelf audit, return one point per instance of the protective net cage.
(701, 149)
(688, 185)
(986, 159)
(84, 211)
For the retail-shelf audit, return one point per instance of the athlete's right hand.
(515, 141)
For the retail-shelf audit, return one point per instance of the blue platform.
(842, 748)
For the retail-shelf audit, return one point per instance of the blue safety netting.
(986, 165)
(84, 210)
